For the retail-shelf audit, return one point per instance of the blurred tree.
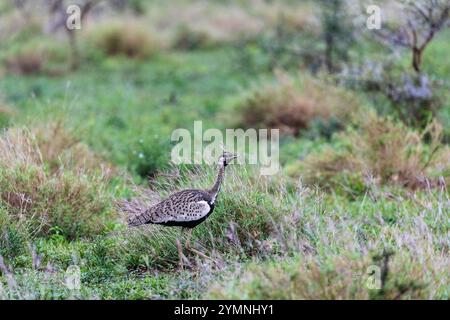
(424, 18)
(57, 10)
(337, 31)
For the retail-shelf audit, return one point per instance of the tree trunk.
(417, 59)
(329, 52)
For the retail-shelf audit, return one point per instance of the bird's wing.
(193, 211)
(189, 205)
(180, 211)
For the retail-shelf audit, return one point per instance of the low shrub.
(132, 39)
(291, 107)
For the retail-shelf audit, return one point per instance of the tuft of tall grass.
(50, 180)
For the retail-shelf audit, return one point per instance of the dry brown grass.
(291, 107)
(386, 151)
(62, 150)
(50, 145)
(48, 179)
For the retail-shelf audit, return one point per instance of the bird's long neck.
(215, 189)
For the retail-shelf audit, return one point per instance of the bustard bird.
(186, 208)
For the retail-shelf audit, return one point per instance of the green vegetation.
(365, 164)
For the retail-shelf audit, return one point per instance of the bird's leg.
(180, 255)
(188, 241)
(182, 258)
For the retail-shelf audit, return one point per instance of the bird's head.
(226, 157)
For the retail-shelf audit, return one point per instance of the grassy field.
(359, 210)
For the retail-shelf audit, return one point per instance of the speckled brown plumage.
(186, 208)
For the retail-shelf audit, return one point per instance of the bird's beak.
(230, 158)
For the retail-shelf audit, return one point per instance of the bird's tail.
(139, 219)
(136, 209)
(134, 221)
